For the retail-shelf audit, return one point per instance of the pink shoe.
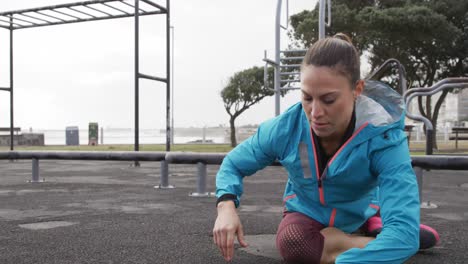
(428, 237)
(373, 226)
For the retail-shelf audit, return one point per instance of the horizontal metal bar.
(290, 73)
(291, 66)
(65, 14)
(436, 162)
(194, 158)
(27, 21)
(10, 23)
(56, 6)
(154, 78)
(97, 10)
(85, 6)
(427, 162)
(88, 19)
(155, 5)
(292, 58)
(459, 80)
(197, 157)
(430, 91)
(115, 8)
(33, 17)
(293, 51)
(5, 89)
(4, 27)
(84, 155)
(132, 6)
(39, 12)
(81, 12)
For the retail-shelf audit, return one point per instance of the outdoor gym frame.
(92, 11)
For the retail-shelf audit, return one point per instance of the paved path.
(109, 212)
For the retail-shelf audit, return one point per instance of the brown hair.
(336, 52)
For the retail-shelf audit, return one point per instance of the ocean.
(127, 136)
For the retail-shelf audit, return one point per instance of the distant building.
(454, 111)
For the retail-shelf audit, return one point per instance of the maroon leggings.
(299, 239)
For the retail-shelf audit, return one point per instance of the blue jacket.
(371, 171)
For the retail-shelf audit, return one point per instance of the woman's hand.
(226, 227)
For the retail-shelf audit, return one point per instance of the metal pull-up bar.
(91, 11)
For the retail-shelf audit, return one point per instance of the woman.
(348, 163)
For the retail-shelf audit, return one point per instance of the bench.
(457, 131)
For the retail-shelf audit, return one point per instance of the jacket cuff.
(228, 197)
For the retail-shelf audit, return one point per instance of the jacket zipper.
(319, 176)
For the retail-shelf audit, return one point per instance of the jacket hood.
(379, 105)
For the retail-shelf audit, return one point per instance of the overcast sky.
(78, 73)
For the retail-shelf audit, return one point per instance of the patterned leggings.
(299, 239)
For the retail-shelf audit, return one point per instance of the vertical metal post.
(201, 179)
(137, 73)
(164, 176)
(265, 71)
(419, 173)
(172, 87)
(168, 76)
(201, 182)
(429, 145)
(11, 86)
(35, 170)
(321, 19)
(277, 58)
(102, 136)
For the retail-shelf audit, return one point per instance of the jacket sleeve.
(399, 205)
(253, 154)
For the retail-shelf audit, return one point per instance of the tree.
(429, 37)
(244, 89)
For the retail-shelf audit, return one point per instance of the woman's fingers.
(224, 239)
(229, 246)
(223, 243)
(240, 237)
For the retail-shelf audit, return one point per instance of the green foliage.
(246, 88)
(429, 37)
(243, 90)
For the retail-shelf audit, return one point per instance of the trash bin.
(72, 136)
(93, 134)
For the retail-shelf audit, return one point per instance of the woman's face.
(328, 100)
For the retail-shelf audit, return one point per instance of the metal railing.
(202, 160)
(448, 83)
(378, 73)
(35, 156)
